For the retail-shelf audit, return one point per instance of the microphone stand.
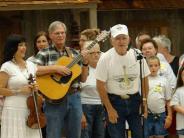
(139, 57)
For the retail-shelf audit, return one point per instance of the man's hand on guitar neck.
(85, 55)
(62, 70)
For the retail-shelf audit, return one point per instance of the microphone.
(138, 53)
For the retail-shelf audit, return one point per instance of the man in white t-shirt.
(118, 79)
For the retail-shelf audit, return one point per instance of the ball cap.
(119, 29)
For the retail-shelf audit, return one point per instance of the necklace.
(23, 69)
(22, 65)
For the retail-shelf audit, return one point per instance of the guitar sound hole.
(63, 79)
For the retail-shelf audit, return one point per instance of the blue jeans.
(95, 121)
(154, 125)
(180, 132)
(127, 110)
(67, 114)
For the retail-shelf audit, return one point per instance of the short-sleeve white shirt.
(89, 93)
(121, 73)
(178, 99)
(159, 92)
(18, 78)
(166, 70)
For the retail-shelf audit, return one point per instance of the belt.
(155, 116)
(54, 101)
(73, 90)
(124, 97)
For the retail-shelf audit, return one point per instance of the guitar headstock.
(103, 36)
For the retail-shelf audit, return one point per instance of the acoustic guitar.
(55, 86)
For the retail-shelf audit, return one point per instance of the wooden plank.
(41, 5)
(140, 4)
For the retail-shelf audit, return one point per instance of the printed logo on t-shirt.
(158, 88)
(126, 79)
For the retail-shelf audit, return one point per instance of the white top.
(15, 110)
(18, 78)
(32, 59)
(159, 92)
(121, 73)
(178, 99)
(166, 71)
(89, 94)
(161, 57)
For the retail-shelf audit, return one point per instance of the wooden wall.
(168, 22)
(10, 22)
(35, 21)
(28, 23)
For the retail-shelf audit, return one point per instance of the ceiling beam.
(45, 5)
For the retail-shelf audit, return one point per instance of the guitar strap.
(69, 52)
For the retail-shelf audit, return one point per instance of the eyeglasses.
(97, 52)
(59, 33)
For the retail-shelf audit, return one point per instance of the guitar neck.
(79, 57)
(92, 44)
(75, 61)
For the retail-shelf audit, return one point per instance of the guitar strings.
(79, 57)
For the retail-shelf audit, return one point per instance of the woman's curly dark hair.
(11, 46)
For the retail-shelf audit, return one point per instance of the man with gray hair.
(67, 111)
(164, 47)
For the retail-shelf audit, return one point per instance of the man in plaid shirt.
(67, 112)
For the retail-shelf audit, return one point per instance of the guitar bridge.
(61, 79)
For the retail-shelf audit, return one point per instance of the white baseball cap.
(119, 29)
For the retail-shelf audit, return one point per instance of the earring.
(13, 59)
